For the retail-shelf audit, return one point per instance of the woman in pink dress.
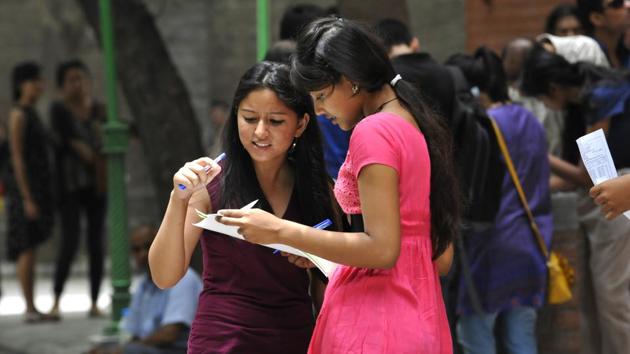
(398, 186)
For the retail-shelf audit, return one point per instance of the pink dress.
(399, 310)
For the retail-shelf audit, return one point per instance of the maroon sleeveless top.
(253, 301)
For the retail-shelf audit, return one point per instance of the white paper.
(209, 223)
(597, 159)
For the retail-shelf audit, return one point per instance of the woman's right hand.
(193, 175)
(31, 210)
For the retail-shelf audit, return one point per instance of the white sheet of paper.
(597, 159)
(211, 224)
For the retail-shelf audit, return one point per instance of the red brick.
(505, 20)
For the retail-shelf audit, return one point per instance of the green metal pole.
(262, 28)
(115, 147)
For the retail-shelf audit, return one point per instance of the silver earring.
(355, 89)
(292, 148)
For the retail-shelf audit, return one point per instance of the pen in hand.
(207, 168)
(321, 226)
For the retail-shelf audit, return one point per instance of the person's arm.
(62, 126)
(557, 183)
(603, 124)
(445, 260)
(17, 126)
(377, 247)
(613, 196)
(172, 248)
(83, 150)
(570, 172)
(164, 335)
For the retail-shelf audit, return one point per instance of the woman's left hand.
(255, 225)
(298, 261)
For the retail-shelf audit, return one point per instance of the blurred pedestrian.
(28, 182)
(157, 320)
(564, 21)
(77, 122)
(508, 269)
(607, 21)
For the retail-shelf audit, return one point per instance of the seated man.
(158, 320)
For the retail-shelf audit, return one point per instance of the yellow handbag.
(561, 274)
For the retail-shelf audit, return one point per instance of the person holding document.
(613, 196)
(253, 300)
(594, 98)
(398, 183)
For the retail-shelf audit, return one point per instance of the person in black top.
(433, 79)
(27, 178)
(77, 120)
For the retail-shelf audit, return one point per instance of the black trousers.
(74, 205)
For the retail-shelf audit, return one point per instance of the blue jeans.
(475, 333)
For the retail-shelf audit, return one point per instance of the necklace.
(380, 108)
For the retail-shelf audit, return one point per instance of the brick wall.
(494, 25)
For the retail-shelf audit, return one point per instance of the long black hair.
(331, 47)
(542, 69)
(484, 70)
(312, 187)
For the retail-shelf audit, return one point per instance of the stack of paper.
(597, 159)
(208, 222)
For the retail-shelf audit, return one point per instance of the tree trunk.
(156, 94)
(372, 11)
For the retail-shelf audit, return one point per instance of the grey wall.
(439, 25)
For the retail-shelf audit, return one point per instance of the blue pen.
(207, 168)
(322, 225)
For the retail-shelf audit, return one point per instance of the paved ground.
(72, 335)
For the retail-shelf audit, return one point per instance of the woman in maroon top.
(253, 301)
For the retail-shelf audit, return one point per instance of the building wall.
(496, 24)
(439, 25)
